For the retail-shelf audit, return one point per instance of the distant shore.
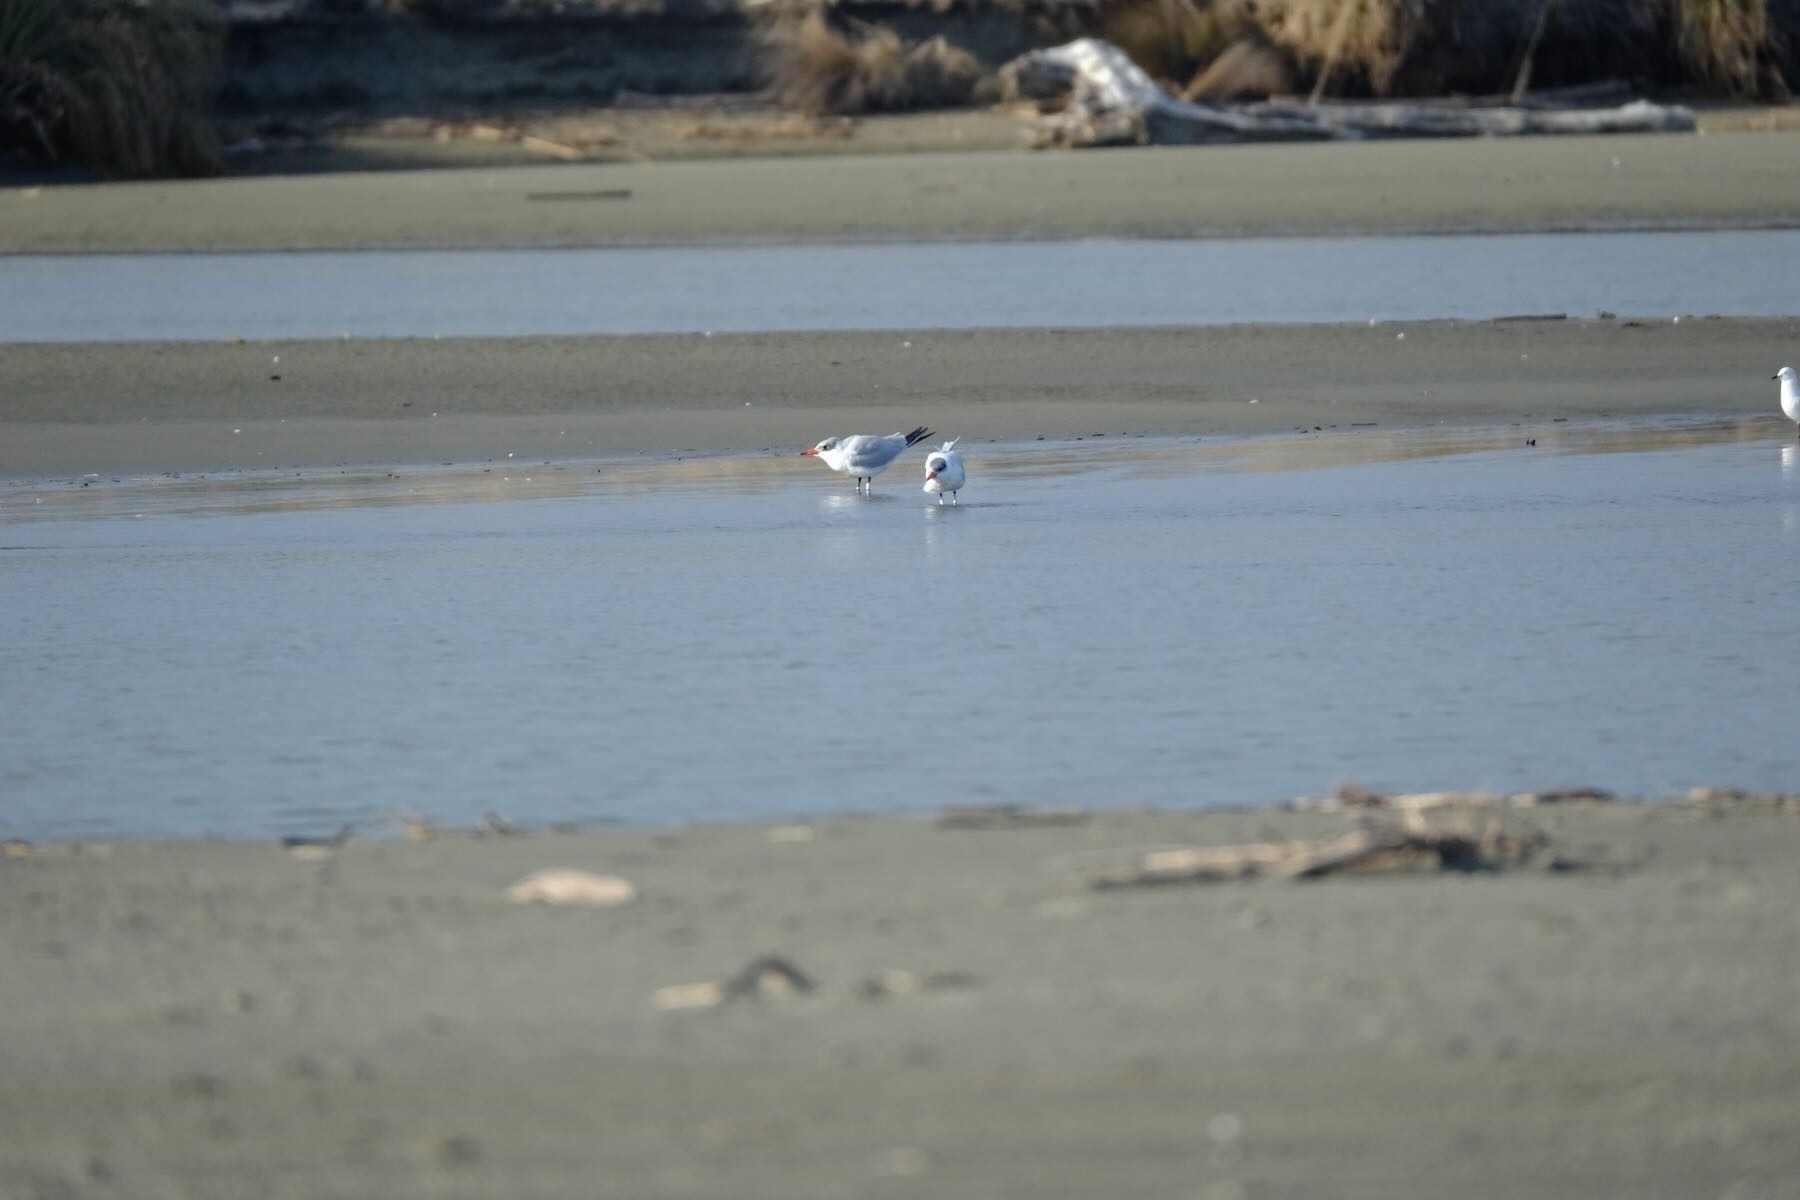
(1539, 184)
(73, 409)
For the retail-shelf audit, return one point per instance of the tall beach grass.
(122, 87)
(819, 64)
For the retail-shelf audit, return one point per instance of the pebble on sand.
(558, 885)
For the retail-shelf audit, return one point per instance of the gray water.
(963, 285)
(1103, 623)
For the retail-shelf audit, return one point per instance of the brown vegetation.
(119, 86)
(1247, 70)
(817, 65)
(1723, 43)
(1427, 47)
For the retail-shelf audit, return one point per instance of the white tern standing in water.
(864, 455)
(1790, 397)
(944, 471)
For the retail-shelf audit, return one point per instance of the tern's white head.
(831, 451)
(1787, 376)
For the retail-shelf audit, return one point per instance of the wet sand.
(221, 1020)
(1539, 184)
(108, 408)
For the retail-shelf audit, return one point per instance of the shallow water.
(196, 297)
(1100, 623)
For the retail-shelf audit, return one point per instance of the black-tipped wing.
(917, 435)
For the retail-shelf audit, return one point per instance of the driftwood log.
(1352, 796)
(1371, 851)
(1112, 102)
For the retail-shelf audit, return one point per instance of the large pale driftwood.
(1111, 101)
(1431, 120)
(1351, 796)
(1369, 851)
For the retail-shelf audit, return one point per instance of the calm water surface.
(1100, 624)
(951, 286)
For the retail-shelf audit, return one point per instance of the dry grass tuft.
(121, 86)
(816, 67)
(1723, 43)
(1247, 70)
(1426, 47)
(1172, 39)
(1364, 40)
(1363, 43)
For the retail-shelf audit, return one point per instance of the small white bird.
(944, 471)
(1790, 396)
(865, 455)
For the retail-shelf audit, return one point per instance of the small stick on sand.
(1007, 816)
(311, 849)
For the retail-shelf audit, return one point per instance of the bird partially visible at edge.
(1790, 396)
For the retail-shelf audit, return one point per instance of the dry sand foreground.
(109, 408)
(222, 1020)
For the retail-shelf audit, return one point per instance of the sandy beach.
(224, 1020)
(227, 1019)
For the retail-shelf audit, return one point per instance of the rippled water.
(1103, 623)
(958, 285)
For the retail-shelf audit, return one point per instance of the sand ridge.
(1473, 186)
(72, 409)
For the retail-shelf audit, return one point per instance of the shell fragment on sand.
(679, 997)
(562, 886)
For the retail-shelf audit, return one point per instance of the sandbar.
(79, 409)
(1535, 184)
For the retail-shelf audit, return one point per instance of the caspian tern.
(1790, 397)
(864, 455)
(944, 471)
